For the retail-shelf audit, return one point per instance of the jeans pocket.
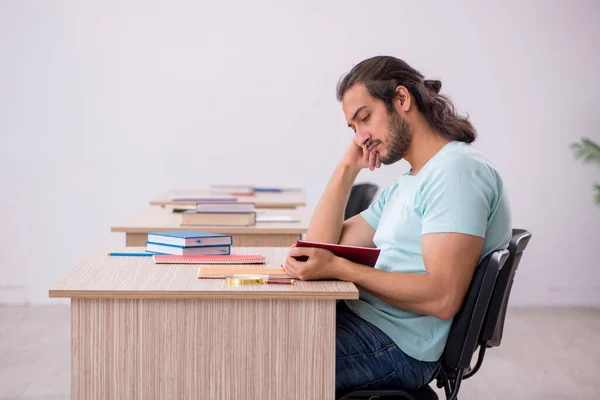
(385, 339)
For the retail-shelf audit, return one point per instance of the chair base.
(424, 393)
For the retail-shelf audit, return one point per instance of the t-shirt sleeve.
(373, 213)
(457, 197)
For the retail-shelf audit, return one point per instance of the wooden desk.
(263, 234)
(286, 199)
(144, 331)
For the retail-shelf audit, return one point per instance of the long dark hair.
(383, 74)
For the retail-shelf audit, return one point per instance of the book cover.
(360, 255)
(189, 238)
(176, 250)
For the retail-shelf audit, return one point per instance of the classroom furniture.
(361, 197)
(144, 331)
(285, 199)
(263, 234)
(478, 325)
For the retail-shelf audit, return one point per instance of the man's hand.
(358, 155)
(319, 264)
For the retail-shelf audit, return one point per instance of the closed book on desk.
(189, 218)
(177, 250)
(189, 238)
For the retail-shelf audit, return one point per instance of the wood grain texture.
(102, 276)
(203, 349)
(239, 239)
(291, 199)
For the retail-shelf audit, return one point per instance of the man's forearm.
(412, 292)
(327, 219)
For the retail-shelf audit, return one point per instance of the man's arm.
(450, 261)
(326, 223)
(357, 232)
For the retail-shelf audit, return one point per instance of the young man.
(433, 226)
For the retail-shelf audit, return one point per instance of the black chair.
(361, 196)
(478, 324)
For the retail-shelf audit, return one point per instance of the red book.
(360, 255)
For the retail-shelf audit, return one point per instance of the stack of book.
(188, 243)
(223, 213)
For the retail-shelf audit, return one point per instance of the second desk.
(263, 234)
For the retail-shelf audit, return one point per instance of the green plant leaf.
(587, 151)
(597, 194)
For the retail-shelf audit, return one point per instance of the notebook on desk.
(210, 259)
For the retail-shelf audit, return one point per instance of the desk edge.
(103, 294)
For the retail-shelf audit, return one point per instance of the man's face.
(386, 133)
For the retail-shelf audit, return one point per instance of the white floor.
(550, 353)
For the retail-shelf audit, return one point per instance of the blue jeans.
(366, 358)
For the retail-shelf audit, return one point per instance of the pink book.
(209, 259)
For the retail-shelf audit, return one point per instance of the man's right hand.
(358, 155)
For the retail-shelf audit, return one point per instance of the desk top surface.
(285, 199)
(103, 276)
(158, 219)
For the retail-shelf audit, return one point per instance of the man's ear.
(404, 99)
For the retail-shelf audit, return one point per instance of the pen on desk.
(130, 254)
(287, 281)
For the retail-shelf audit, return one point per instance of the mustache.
(369, 144)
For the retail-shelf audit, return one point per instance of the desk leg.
(203, 348)
(135, 239)
(139, 240)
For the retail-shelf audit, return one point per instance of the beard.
(399, 136)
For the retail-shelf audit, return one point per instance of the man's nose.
(362, 137)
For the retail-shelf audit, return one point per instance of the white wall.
(105, 104)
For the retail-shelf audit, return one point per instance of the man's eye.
(366, 118)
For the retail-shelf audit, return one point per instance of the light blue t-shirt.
(458, 190)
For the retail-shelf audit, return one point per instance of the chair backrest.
(361, 196)
(493, 326)
(467, 323)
